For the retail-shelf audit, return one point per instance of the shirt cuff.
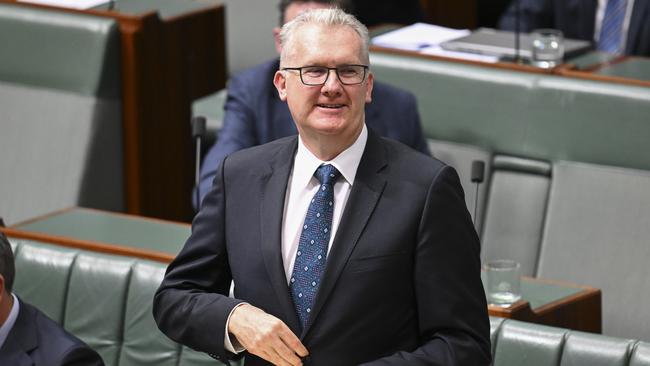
(227, 343)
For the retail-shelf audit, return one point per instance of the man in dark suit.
(27, 336)
(255, 115)
(345, 248)
(582, 19)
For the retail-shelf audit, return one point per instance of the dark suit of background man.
(380, 267)
(27, 336)
(255, 115)
(582, 19)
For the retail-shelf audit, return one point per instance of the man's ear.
(280, 82)
(369, 85)
(276, 38)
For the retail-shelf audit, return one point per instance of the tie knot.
(327, 174)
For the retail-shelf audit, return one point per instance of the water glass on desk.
(547, 48)
(502, 282)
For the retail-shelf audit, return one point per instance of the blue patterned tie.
(611, 31)
(312, 248)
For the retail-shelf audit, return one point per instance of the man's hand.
(266, 336)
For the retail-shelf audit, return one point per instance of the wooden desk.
(173, 52)
(106, 232)
(555, 303)
(546, 302)
(629, 70)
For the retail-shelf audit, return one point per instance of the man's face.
(332, 109)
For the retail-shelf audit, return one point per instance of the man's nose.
(332, 84)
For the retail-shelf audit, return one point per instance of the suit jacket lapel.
(368, 186)
(22, 340)
(272, 209)
(639, 16)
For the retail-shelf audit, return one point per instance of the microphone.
(517, 32)
(198, 131)
(477, 176)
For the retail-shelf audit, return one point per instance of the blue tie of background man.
(312, 248)
(611, 31)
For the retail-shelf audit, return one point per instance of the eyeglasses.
(317, 75)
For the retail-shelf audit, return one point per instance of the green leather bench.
(103, 299)
(61, 138)
(518, 343)
(106, 300)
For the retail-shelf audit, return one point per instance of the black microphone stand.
(477, 176)
(517, 32)
(198, 131)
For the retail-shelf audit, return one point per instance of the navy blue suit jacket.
(255, 115)
(36, 340)
(577, 19)
(402, 281)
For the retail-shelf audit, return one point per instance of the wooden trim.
(90, 245)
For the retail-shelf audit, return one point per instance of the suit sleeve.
(418, 141)
(533, 14)
(191, 306)
(238, 132)
(451, 305)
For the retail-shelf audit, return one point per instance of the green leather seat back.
(595, 350)
(495, 328)
(515, 211)
(143, 345)
(641, 355)
(537, 116)
(42, 277)
(520, 343)
(103, 299)
(597, 233)
(516, 343)
(461, 156)
(61, 112)
(94, 308)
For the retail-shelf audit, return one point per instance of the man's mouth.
(331, 106)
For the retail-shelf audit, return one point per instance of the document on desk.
(71, 4)
(426, 38)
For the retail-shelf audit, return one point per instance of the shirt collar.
(11, 320)
(347, 162)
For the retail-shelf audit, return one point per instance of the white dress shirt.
(301, 188)
(600, 14)
(11, 320)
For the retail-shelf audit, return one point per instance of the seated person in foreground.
(29, 337)
(254, 114)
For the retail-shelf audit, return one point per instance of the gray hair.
(325, 17)
(284, 4)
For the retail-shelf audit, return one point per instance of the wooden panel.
(166, 64)
(582, 311)
(453, 14)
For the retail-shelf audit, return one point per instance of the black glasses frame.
(336, 71)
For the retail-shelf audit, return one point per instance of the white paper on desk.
(439, 51)
(72, 4)
(418, 36)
